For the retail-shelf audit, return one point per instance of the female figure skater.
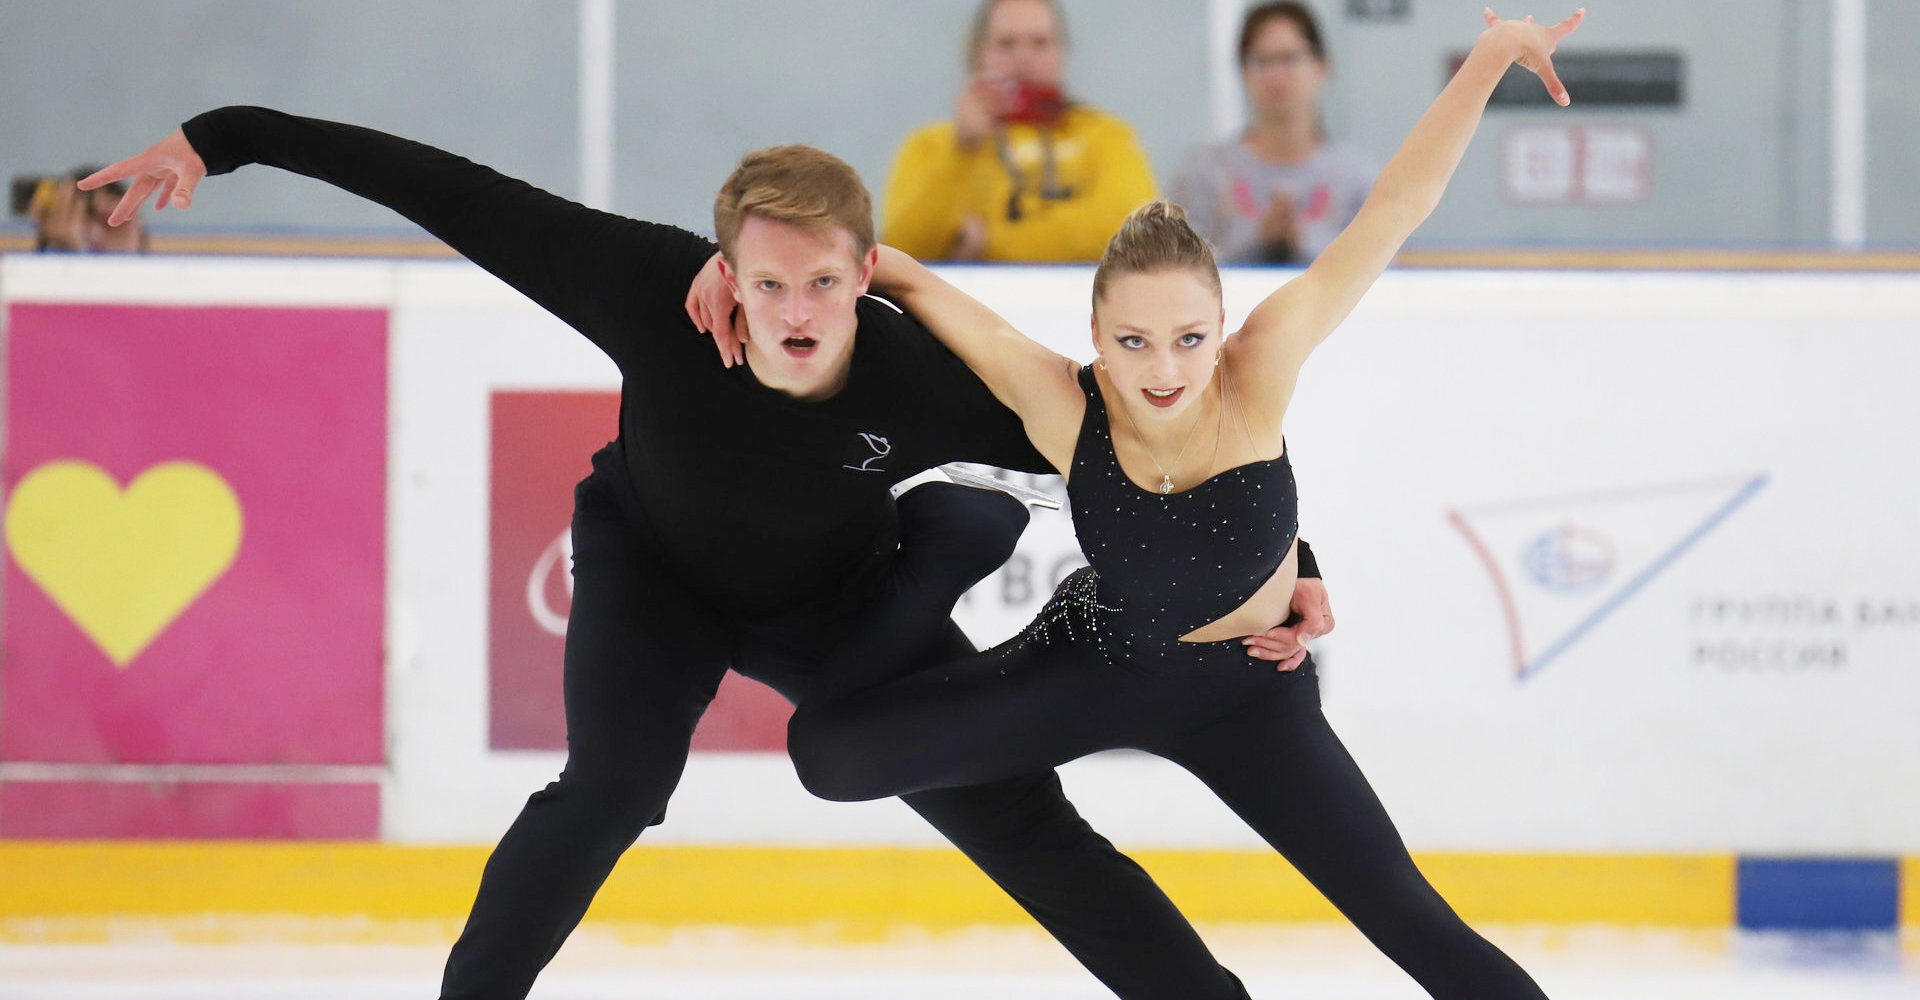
(1184, 502)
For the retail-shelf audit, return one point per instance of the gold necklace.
(1166, 478)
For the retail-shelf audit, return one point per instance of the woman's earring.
(1100, 363)
(1216, 358)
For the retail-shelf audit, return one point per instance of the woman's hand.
(170, 166)
(711, 307)
(1531, 45)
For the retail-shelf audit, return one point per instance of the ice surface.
(300, 962)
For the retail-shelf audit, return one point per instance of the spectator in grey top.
(1280, 191)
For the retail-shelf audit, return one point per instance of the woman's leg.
(951, 537)
(969, 721)
(1096, 901)
(1020, 830)
(1277, 763)
(884, 722)
(1026, 836)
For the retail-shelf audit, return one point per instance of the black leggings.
(643, 659)
(1254, 735)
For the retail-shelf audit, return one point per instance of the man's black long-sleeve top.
(764, 502)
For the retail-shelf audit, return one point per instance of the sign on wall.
(1576, 164)
(1648, 79)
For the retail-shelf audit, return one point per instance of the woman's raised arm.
(1290, 323)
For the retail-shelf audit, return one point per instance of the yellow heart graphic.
(123, 566)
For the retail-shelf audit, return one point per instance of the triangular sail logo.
(1560, 565)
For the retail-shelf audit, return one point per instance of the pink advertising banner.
(195, 535)
(185, 810)
(542, 443)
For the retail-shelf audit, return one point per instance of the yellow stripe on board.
(105, 878)
(1910, 894)
(1674, 890)
(1665, 890)
(860, 890)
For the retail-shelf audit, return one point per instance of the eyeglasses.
(1279, 60)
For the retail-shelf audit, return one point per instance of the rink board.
(65, 888)
(1622, 564)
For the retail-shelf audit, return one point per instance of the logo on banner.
(550, 586)
(123, 565)
(1562, 565)
(1569, 559)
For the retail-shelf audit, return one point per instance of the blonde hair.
(1155, 238)
(798, 185)
(983, 18)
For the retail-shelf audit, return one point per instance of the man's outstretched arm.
(582, 265)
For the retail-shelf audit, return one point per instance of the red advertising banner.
(195, 535)
(542, 443)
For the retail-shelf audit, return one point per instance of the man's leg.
(642, 663)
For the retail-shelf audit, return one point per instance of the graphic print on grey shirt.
(1226, 190)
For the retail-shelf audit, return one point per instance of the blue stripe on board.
(1829, 894)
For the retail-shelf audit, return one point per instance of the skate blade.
(1023, 494)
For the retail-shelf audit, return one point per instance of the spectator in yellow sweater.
(1021, 172)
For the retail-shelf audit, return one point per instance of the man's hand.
(169, 166)
(1286, 645)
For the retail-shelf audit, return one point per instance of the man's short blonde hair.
(798, 185)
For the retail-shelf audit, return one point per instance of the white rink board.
(1694, 490)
